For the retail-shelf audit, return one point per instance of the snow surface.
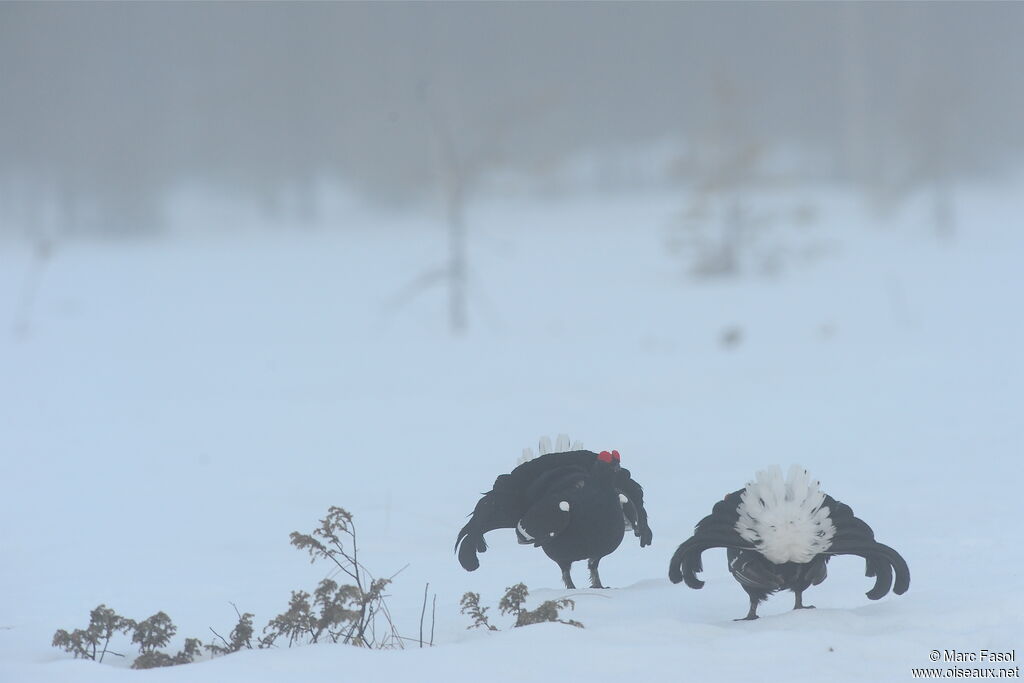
(177, 406)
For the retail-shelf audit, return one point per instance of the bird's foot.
(749, 617)
(798, 603)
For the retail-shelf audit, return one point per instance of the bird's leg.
(595, 578)
(566, 567)
(799, 604)
(752, 614)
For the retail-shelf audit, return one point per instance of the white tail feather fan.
(562, 445)
(784, 518)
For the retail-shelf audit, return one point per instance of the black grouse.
(779, 535)
(574, 505)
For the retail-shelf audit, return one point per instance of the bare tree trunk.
(456, 177)
(456, 260)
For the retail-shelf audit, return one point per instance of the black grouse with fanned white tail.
(779, 534)
(574, 505)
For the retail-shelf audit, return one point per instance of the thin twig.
(104, 653)
(219, 636)
(391, 622)
(423, 612)
(433, 613)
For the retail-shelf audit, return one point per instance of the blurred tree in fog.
(108, 107)
(724, 230)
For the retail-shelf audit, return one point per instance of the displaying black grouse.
(779, 535)
(574, 505)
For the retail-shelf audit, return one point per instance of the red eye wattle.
(604, 456)
(616, 457)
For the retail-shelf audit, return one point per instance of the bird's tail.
(544, 447)
(717, 530)
(469, 542)
(854, 537)
(785, 517)
(493, 511)
(881, 562)
(686, 562)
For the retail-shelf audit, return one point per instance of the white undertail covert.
(544, 447)
(785, 518)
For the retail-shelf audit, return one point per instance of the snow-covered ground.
(174, 407)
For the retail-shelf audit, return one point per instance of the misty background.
(259, 259)
(109, 109)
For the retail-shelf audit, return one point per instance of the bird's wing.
(629, 514)
(545, 520)
(524, 475)
(634, 511)
(717, 530)
(512, 495)
(552, 481)
(854, 537)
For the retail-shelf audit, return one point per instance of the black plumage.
(574, 506)
(760, 576)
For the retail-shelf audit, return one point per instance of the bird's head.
(611, 458)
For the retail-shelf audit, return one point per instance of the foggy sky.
(116, 102)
